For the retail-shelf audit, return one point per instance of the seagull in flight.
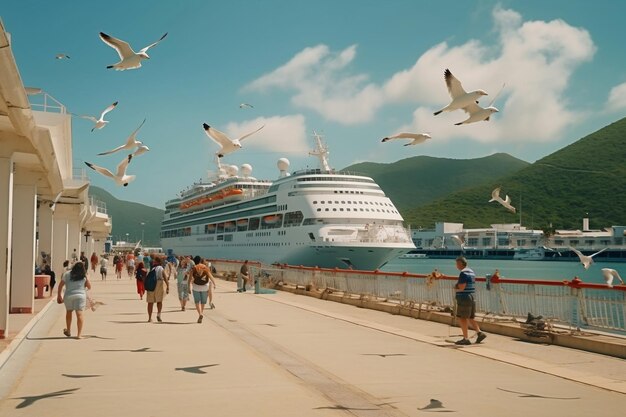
(120, 177)
(506, 203)
(227, 145)
(417, 138)
(585, 260)
(246, 106)
(460, 97)
(609, 274)
(131, 142)
(129, 58)
(62, 56)
(478, 113)
(140, 150)
(99, 123)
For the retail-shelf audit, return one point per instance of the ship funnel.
(585, 224)
(283, 166)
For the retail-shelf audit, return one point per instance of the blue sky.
(356, 71)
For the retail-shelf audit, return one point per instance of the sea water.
(535, 270)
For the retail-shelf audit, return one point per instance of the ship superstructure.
(315, 217)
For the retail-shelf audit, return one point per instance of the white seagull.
(129, 58)
(141, 149)
(585, 260)
(99, 123)
(478, 113)
(460, 97)
(246, 106)
(417, 138)
(506, 203)
(609, 274)
(227, 145)
(131, 142)
(62, 56)
(458, 241)
(120, 176)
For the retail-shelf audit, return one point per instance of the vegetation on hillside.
(128, 216)
(587, 177)
(419, 180)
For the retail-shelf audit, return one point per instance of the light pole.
(142, 228)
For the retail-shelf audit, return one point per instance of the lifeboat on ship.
(272, 219)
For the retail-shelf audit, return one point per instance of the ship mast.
(321, 151)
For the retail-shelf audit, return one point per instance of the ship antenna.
(321, 151)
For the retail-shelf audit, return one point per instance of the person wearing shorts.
(200, 286)
(465, 304)
(76, 285)
(162, 288)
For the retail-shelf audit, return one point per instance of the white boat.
(529, 254)
(314, 217)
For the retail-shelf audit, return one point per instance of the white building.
(44, 203)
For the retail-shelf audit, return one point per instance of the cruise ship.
(313, 217)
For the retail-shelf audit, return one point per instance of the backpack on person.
(150, 282)
(200, 276)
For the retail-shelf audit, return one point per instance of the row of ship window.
(360, 209)
(373, 203)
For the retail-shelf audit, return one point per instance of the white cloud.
(617, 98)
(319, 79)
(535, 58)
(280, 134)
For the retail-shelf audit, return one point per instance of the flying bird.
(120, 177)
(478, 113)
(609, 274)
(506, 203)
(460, 97)
(141, 149)
(227, 145)
(246, 106)
(131, 142)
(417, 138)
(458, 241)
(62, 56)
(129, 58)
(586, 261)
(99, 123)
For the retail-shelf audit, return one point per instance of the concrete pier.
(285, 355)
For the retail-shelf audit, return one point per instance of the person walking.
(199, 279)
(140, 276)
(244, 273)
(465, 303)
(119, 266)
(103, 267)
(94, 262)
(212, 284)
(162, 288)
(182, 281)
(76, 285)
(84, 260)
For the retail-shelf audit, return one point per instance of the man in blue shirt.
(465, 304)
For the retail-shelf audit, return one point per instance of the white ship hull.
(315, 217)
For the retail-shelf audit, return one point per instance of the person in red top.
(118, 267)
(140, 275)
(94, 261)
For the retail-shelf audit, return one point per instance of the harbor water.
(539, 270)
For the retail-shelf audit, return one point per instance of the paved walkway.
(288, 355)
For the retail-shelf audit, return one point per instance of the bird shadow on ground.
(93, 336)
(383, 355)
(341, 407)
(530, 395)
(196, 369)
(80, 376)
(140, 350)
(30, 400)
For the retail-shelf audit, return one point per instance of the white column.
(73, 232)
(6, 213)
(59, 237)
(44, 230)
(23, 255)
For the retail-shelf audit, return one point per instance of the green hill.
(420, 180)
(588, 176)
(128, 216)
